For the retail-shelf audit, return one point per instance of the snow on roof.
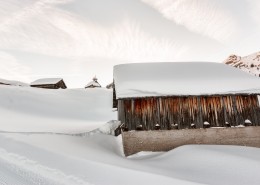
(46, 81)
(10, 82)
(93, 83)
(182, 78)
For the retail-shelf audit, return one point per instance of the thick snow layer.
(181, 78)
(98, 160)
(11, 82)
(46, 81)
(31, 158)
(26, 109)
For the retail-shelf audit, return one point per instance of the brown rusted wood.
(59, 85)
(184, 111)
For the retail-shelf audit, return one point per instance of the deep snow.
(28, 157)
(181, 78)
(98, 159)
(59, 111)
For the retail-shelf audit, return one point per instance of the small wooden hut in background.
(49, 83)
(93, 84)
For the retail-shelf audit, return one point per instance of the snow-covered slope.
(97, 159)
(31, 158)
(12, 82)
(27, 109)
(250, 63)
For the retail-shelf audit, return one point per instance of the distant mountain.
(250, 63)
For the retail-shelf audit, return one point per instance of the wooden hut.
(49, 83)
(93, 84)
(175, 96)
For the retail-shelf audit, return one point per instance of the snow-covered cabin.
(49, 83)
(185, 95)
(93, 84)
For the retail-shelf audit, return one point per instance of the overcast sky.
(78, 39)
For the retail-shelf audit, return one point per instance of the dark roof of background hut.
(182, 79)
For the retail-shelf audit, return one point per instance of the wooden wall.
(114, 99)
(59, 85)
(184, 111)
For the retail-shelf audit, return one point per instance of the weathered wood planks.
(185, 111)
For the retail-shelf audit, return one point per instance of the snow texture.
(28, 109)
(248, 121)
(14, 83)
(182, 78)
(98, 160)
(83, 153)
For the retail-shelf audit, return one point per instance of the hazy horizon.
(78, 39)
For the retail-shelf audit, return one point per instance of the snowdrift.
(26, 109)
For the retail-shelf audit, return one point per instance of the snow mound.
(26, 109)
(107, 128)
(97, 159)
(208, 164)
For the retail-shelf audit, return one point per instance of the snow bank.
(181, 78)
(90, 160)
(98, 159)
(210, 164)
(26, 109)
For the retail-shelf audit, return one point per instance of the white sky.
(78, 39)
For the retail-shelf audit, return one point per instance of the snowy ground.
(31, 153)
(27, 109)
